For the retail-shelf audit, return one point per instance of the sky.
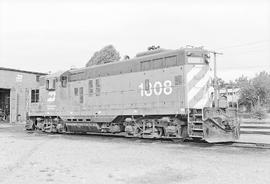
(53, 35)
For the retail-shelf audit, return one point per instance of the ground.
(53, 158)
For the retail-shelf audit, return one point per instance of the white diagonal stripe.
(202, 103)
(193, 72)
(195, 89)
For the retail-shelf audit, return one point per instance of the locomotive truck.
(159, 93)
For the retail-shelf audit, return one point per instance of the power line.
(244, 67)
(248, 51)
(245, 44)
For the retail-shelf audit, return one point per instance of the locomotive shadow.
(117, 138)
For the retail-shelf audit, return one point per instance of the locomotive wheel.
(184, 133)
(159, 132)
(137, 132)
(30, 125)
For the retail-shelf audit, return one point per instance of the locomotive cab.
(205, 121)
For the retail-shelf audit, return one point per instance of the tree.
(255, 91)
(105, 55)
(262, 85)
(221, 83)
(242, 81)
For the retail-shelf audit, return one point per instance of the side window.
(42, 81)
(81, 94)
(34, 96)
(170, 61)
(90, 87)
(76, 91)
(37, 78)
(145, 65)
(157, 63)
(64, 81)
(98, 86)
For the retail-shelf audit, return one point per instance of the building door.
(4, 105)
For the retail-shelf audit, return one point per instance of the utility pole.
(215, 77)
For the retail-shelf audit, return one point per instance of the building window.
(76, 91)
(37, 78)
(81, 94)
(90, 88)
(34, 96)
(98, 87)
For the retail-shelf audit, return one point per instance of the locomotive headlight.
(189, 53)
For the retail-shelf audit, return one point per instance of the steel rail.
(188, 142)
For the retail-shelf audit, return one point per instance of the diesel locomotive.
(159, 93)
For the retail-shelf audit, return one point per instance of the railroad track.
(173, 141)
(251, 145)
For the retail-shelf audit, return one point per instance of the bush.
(259, 113)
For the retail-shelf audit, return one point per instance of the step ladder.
(195, 125)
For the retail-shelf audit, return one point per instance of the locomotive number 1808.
(157, 88)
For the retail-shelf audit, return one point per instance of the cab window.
(50, 84)
(64, 81)
(53, 83)
(47, 84)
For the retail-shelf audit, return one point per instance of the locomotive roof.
(129, 65)
(145, 57)
(142, 57)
